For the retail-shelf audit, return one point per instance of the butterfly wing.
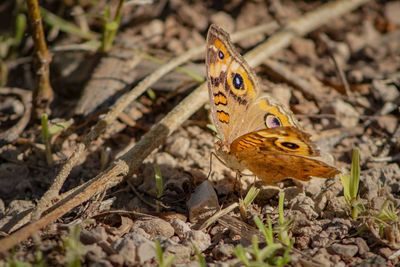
(277, 153)
(272, 167)
(232, 85)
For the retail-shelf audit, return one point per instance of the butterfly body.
(257, 133)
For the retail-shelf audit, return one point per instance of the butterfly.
(257, 132)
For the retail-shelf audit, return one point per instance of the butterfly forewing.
(232, 85)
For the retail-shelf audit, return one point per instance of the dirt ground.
(341, 80)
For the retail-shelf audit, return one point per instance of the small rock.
(94, 252)
(389, 123)
(373, 260)
(224, 20)
(355, 42)
(155, 227)
(203, 203)
(146, 251)
(386, 90)
(193, 15)
(116, 260)
(340, 264)
(2, 208)
(199, 239)
(313, 187)
(268, 192)
(322, 256)
(304, 48)
(291, 192)
(343, 250)
(362, 246)
(392, 11)
(153, 31)
(223, 251)
(385, 252)
(252, 13)
(180, 227)
(336, 206)
(347, 115)
(305, 205)
(164, 158)
(100, 263)
(179, 147)
(126, 249)
(182, 253)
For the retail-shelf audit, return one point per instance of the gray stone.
(155, 227)
(362, 246)
(199, 239)
(179, 147)
(182, 253)
(180, 227)
(305, 205)
(222, 18)
(203, 203)
(343, 250)
(146, 251)
(222, 251)
(126, 249)
(164, 158)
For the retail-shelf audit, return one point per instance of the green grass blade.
(354, 174)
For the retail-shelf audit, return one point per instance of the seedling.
(244, 203)
(283, 235)
(73, 247)
(110, 28)
(160, 257)
(200, 258)
(50, 130)
(350, 186)
(266, 256)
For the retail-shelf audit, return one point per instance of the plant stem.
(42, 93)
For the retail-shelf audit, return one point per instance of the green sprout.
(73, 247)
(351, 185)
(160, 257)
(110, 28)
(244, 203)
(48, 131)
(266, 256)
(200, 258)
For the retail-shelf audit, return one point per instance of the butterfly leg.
(220, 160)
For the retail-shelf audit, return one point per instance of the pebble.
(180, 227)
(199, 239)
(203, 203)
(163, 158)
(155, 227)
(179, 147)
(362, 246)
(222, 18)
(343, 250)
